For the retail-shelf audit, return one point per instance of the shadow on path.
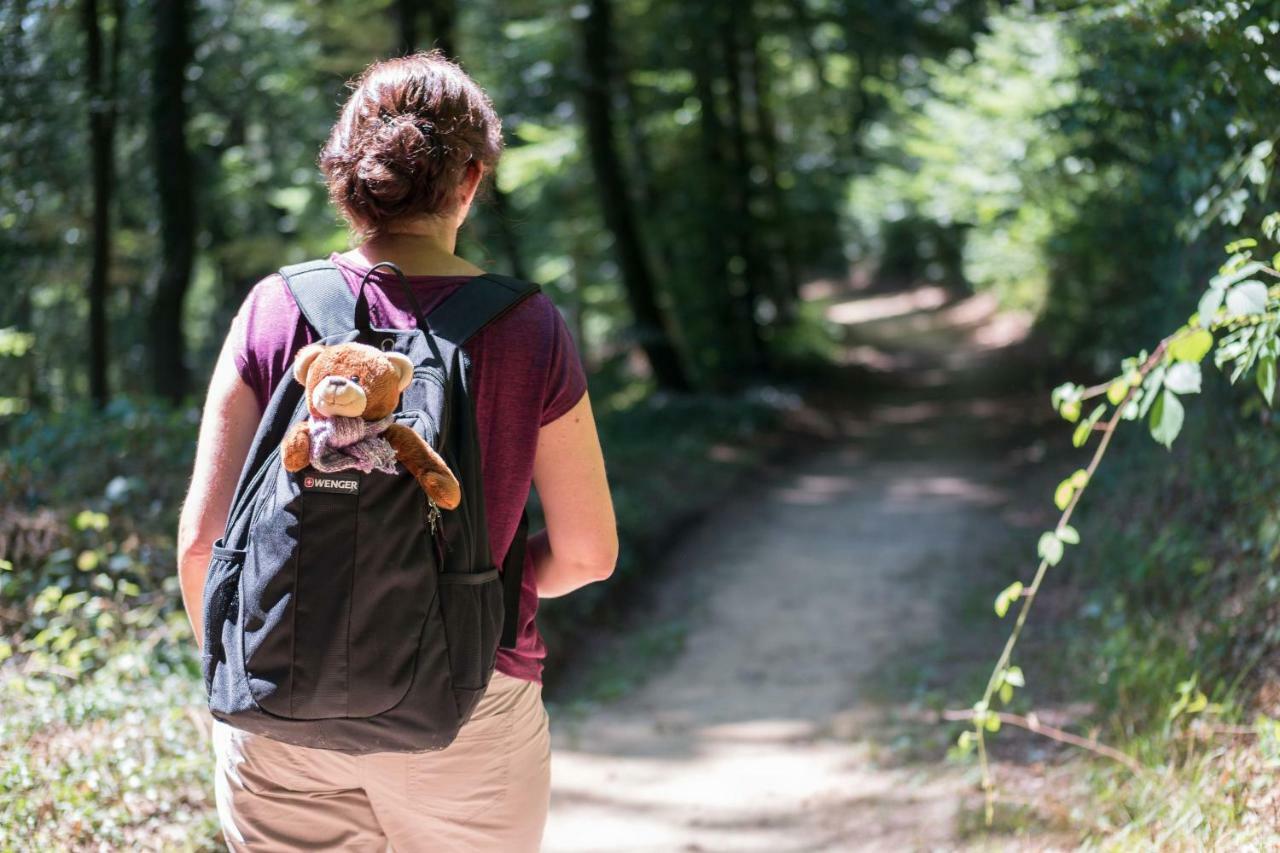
(765, 732)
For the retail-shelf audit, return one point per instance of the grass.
(118, 759)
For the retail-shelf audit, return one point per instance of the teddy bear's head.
(352, 380)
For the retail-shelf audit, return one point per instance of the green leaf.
(1007, 596)
(1070, 410)
(1116, 392)
(1208, 307)
(1006, 693)
(1067, 392)
(1081, 435)
(991, 723)
(1069, 534)
(1166, 418)
(1050, 548)
(1266, 377)
(1063, 494)
(1183, 377)
(1014, 676)
(1230, 276)
(1151, 387)
(1080, 478)
(1247, 298)
(1192, 346)
(1242, 243)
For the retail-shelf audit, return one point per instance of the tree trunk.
(746, 227)
(704, 62)
(406, 12)
(780, 223)
(646, 192)
(598, 50)
(101, 90)
(501, 220)
(443, 15)
(174, 182)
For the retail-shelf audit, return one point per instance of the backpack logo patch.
(333, 484)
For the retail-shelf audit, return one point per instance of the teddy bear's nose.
(338, 386)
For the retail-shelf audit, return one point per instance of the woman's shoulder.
(269, 314)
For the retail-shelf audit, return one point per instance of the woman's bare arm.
(226, 431)
(580, 544)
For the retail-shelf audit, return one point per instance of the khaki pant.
(488, 790)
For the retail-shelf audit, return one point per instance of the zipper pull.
(433, 515)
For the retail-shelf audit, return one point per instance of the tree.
(716, 187)
(615, 201)
(171, 53)
(785, 290)
(101, 90)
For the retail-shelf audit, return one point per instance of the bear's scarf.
(340, 444)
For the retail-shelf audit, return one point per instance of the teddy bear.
(352, 391)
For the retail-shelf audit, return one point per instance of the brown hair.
(405, 139)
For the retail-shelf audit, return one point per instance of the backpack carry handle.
(363, 323)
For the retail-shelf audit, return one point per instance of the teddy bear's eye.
(355, 379)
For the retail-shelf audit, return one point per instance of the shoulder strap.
(471, 308)
(476, 304)
(323, 296)
(328, 305)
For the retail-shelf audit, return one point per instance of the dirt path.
(768, 730)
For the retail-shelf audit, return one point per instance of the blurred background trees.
(673, 171)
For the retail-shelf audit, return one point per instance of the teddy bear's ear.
(302, 361)
(404, 369)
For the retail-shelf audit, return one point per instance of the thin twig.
(1032, 724)
(1030, 592)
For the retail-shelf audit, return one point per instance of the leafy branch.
(1238, 320)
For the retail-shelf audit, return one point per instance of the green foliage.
(972, 147)
(1147, 384)
(92, 500)
(117, 759)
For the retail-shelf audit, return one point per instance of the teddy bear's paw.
(442, 489)
(296, 450)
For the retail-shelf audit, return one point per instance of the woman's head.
(413, 138)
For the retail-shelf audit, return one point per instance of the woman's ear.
(302, 361)
(404, 369)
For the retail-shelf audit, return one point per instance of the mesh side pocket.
(471, 606)
(220, 601)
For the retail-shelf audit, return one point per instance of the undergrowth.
(1166, 637)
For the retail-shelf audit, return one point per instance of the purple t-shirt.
(525, 373)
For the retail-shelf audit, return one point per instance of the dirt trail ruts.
(766, 732)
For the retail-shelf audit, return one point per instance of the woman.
(414, 141)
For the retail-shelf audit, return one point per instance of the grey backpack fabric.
(340, 612)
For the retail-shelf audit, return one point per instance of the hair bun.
(392, 160)
(405, 140)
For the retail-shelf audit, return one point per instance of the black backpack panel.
(340, 611)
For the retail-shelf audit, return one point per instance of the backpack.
(341, 611)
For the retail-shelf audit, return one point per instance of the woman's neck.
(420, 249)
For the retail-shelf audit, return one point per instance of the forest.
(693, 184)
